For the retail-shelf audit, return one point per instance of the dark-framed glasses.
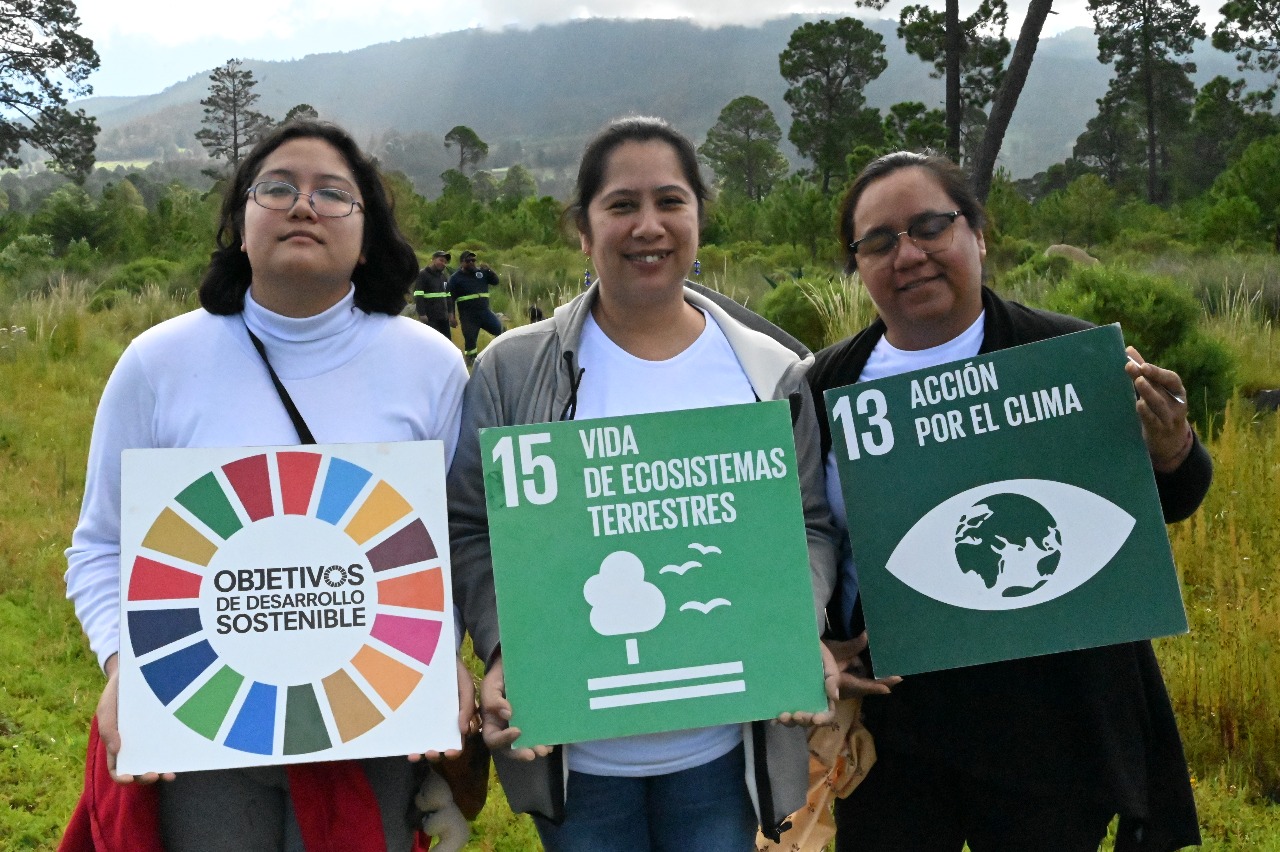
(326, 201)
(929, 232)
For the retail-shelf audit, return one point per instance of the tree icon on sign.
(622, 601)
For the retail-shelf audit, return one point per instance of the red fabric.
(336, 808)
(111, 817)
(334, 803)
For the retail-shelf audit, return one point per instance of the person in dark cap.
(430, 296)
(469, 290)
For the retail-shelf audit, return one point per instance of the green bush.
(1160, 319)
(134, 276)
(1005, 252)
(1208, 370)
(1041, 268)
(792, 310)
(106, 298)
(1147, 243)
(25, 252)
(80, 258)
(1232, 223)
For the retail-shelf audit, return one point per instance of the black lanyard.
(304, 433)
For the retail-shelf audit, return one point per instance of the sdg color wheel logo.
(286, 602)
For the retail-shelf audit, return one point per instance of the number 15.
(532, 467)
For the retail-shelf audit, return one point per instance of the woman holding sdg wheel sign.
(1032, 754)
(640, 339)
(311, 264)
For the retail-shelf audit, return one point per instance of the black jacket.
(431, 300)
(1092, 724)
(464, 287)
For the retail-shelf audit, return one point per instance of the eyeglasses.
(328, 202)
(929, 232)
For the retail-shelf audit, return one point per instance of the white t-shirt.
(615, 383)
(888, 360)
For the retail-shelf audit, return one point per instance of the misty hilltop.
(537, 94)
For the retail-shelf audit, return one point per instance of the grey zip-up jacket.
(531, 375)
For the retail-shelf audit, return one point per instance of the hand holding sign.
(107, 715)
(852, 679)
(1162, 407)
(495, 711)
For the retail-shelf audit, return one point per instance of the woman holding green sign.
(1036, 753)
(642, 339)
(300, 303)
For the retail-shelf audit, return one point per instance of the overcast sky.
(147, 45)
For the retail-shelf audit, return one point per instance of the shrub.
(1004, 252)
(25, 252)
(80, 258)
(1234, 222)
(1041, 268)
(1159, 319)
(792, 307)
(134, 276)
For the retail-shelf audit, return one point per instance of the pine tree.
(742, 148)
(1251, 30)
(1142, 38)
(471, 148)
(829, 64)
(975, 46)
(231, 125)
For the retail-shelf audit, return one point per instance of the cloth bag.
(840, 755)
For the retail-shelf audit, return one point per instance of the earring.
(586, 278)
(697, 268)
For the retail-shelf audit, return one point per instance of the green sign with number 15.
(652, 572)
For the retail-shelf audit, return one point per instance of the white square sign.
(284, 605)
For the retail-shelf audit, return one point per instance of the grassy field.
(55, 356)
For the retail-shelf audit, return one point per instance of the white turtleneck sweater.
(197, 381)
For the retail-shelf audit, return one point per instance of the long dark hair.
(632, 128)
(381, 282)
(951, 177)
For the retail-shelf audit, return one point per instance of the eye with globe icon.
(1010, 544)
(1009, 540)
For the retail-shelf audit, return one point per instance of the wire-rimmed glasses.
(929, 232)
(327, 201)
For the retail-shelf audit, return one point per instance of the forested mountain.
(533, 95)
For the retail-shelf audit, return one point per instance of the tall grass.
(1224, 678)
(1239, 315)
(50, 684)
(845, 308)
(1207, 275)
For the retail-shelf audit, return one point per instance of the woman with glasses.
(307, 281)
(1033, 754)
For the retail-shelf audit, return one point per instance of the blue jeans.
(706, 808)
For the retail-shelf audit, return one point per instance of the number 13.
(843, 412)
